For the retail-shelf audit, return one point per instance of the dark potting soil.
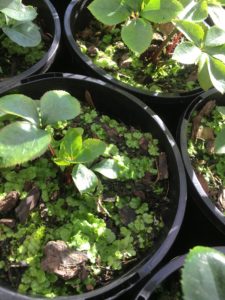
(104, 46)
(95, 236)
(209, 166)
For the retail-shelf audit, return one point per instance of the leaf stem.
(161, 47)
(51, 150)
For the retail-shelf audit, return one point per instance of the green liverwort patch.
(156, 31)
(112, 218)
(206, 147)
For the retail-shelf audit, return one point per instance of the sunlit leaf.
(21, 106)
(91, 150)
(137, 35)
(168, 10)
(187, 53)
(58, 105)
(108, 168)
(24, 34)
(21, 142)
(84, 179)
(109, 12)
(203, 274)
(18, 11)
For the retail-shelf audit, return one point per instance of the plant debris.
(62, 261)
(8, 202)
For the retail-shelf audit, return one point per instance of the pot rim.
(163, 273)
(204, 200)
(130, 278)
(45, 62)
(69, 14)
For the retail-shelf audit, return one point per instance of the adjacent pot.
(47, 11)
(167, 274)
(168, 105)
(198, 193)
(115, 102)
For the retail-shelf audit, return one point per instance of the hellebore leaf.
(21, 106)
(24, 34)
(109, 12)
(84, 179)
(202, 274)
(21, 142)
(203, 72)
(58, 105)
(187, 53)
(108, 168)
(17, 11)
(91, 150)
(217, 74)
(167, 11)
(220, 142)
(137, 35)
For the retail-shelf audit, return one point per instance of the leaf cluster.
(203, 46)
(21, 141)
(203, 274)
(16, 22)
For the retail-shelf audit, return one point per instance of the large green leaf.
(91, 150)
(215, 36)
(17, 11)
(152, 5)
(108, 167)
(5, 3)
(84, 179)
(168, 10)
(133, 5)
(21, 106)
(203, 72)
(71, 144)
(194, 32)
(24, 34)
(217, 13)
(220, 142)
(217, 52)
(58, 105)
(109, 12)
(21, 142)
(187, 53)
(217, 74)
(203, 275)
(195, 11)
(137, 35)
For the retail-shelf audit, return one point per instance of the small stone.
(62, 261)
(9, 202)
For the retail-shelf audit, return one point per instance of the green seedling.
(16, 22)
(202, 46)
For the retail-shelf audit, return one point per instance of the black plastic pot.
(170, 272)
(197, 191)
(47, 12)
(168, 105)
(127, 108)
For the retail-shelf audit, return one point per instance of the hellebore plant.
(201, 44)
(16, 23)
(203, 274)
(21, 141)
